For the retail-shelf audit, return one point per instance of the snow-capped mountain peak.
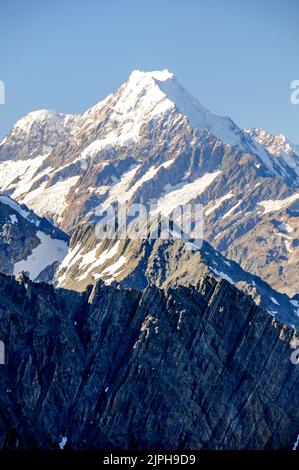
(147, 95)
(47, 117)
(150, 141)
(283, 150)
(277, 145)
(161, 75)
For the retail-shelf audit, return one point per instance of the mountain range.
(151, 141)
(141, 343)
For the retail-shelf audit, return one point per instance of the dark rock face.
(163, 263)
(179, 368)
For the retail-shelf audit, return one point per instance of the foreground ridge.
(103, 369)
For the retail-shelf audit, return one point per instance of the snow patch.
(15, 206)
(296, 443)
(62, 443)
(51, 200)
(13, 219)
(232, 210)
(115, 267)
(274, 300)
(21, 171)
(272, 205)
(218, 203)
(46, 253)
(183, 193)
(223, 275)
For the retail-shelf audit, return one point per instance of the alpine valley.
(148, 343)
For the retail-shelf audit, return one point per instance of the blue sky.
(237, 58)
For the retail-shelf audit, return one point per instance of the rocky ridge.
(113, 368)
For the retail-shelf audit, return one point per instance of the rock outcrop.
(169, 262)
(172, 368)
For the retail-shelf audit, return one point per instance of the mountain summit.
(151, 140)
(149, 94)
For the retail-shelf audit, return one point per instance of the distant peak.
(147, 95)
(39, 115)
(49, 117)
(274, 144)
(161, 75)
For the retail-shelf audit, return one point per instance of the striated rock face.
(177, 368)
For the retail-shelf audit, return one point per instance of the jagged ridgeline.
(173, 368)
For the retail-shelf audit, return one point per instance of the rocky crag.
(174, 368)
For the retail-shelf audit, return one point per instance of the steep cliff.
(172, 368)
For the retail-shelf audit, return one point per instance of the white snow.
(223, 275)
(69, 260)
(138, 100)
(88, 261)
(54, 121)
(99, 144)
(115, 267)
(45, 254)
(199, 117)
(226, 262)
(97, 276)
(72, 256)
(51, 200)
(149, 175)
(272, 312)
(288, 245)
(89, 258)
(23, 170)
(119, 191)
(148, 95)
(27, 180)
(62, 443)
(92, 261)
(272, 205)
(283, 235)
(232, 209)
(108, 254)
(14, 205)
(13, 219)
(279, 146)
(218, 203)
(183, 193)
(296, 443)
(274, 300)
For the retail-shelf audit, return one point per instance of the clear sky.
(237, 58)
